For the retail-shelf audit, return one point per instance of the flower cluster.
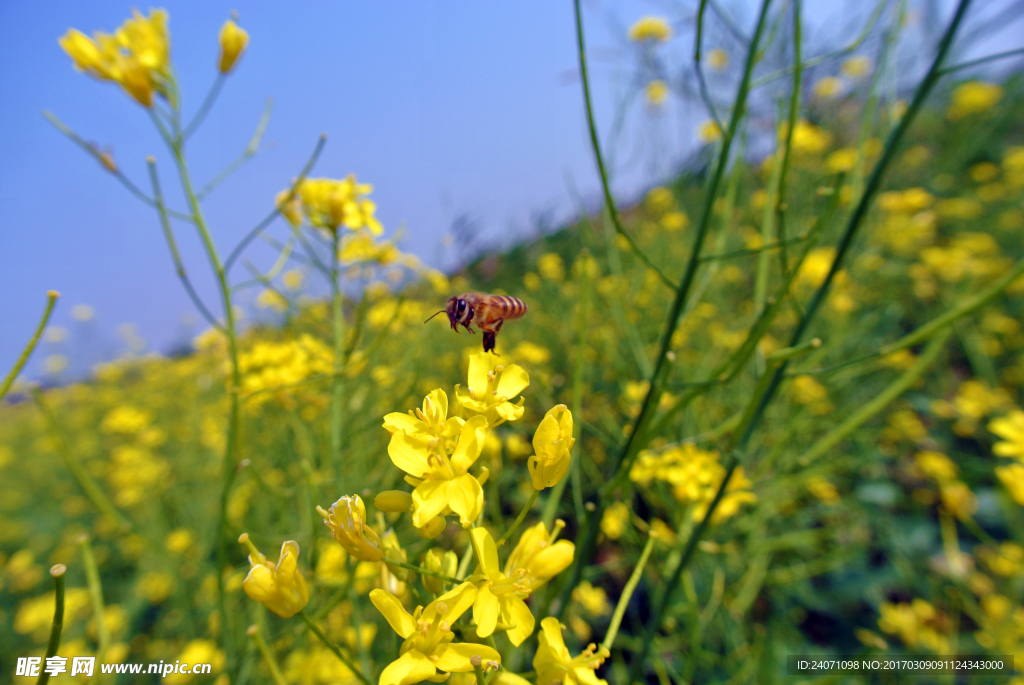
(330, 204)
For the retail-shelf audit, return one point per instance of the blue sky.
(446, 108)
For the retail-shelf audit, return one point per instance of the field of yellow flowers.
(773, 409)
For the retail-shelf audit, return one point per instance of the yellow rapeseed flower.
(1012, 477)
(842, 160)
(659, 200)
(656, 92)
(441, 480)
(137, 56)
(828, 88)
(650, 29)
(552, 445)
(499, 596)
(614, 520)
(718, 58)
(855, 67)
(233, 40)
(331, 203)
(428, 646)
(280, 587)
(540, 555)
(973, 97)
(490, 387)
(708, 132)
(429, 423)
(556, 666)
(347, 521)
(1011, 429)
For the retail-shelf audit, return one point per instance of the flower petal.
(513, 381)
(455, 657)
(485, 611)
(392, 610)
(516, 612)
(465, 497)
(471, 443)
(397, 421)
(457, 600)
(480, 364)
(411, 667)
(486, 551)
(439, 400)
(408, 454)
(430, 498)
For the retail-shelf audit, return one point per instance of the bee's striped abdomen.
(512, 307)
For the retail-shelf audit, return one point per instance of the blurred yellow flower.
(554, 664)
(656, 92)
(428, 646)
(232, 42)
(179, 541)
(674, 221)
(828, 88)
(842, 160)
(973, 97)
(532, 353)
(708, 132)
(936, 466)
(280, 587)
(823, 490)
(1012, 477)
(137, 56)
(331, 203)
(551, 266)
(855, 67)
(594, 600)
(273, 300)
(490, 387)
(498, 595)
(652, 29)
(552, 445)
(198, 652)
(347, 522)
(659, 200)
(1011, 429)
(807, 138)
(614, 520)
(718, 58)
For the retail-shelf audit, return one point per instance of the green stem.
(204, 109)
(627, 593)
(880, 402)
(85, 481)
(479, 670)
(52, 296)
(592, 127)
(92, 576)
(315, 629)
(420, 570)
(275, 671)
(247, 154)
(337, 383)
(522, 515)
(57, 626)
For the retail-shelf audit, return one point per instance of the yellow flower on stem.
(552, 444)
(554, 664)
(429, 646)
(137, 56)
(279, 587)
(498, 595)
(233, 40)
(1011, 429)
(429, 423)
(442, 482)
(490, 387)
(657, 93)
(539, 554)
(653, 29)
(347, 521)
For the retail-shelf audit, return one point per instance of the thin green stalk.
(250, 150)
(85, 481)
(52, 296)
(92, 576)
(337, 383)
(794, 111)
(57, 571)
(275, 671)
(627, 594)
(420, 570)
(204, 109)
(880, 402)
(768, 227)
(983, 60)
(585, 551)
(592, 126)
(478, 669)
(701, 81)
(519, 519)
(172, 245)
(315, 629)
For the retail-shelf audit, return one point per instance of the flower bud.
(232, 42)
(280, 587)
(346, 521)
(395, 501)
(439, 561)
(433, 528)
(552, 444)
(392, 550)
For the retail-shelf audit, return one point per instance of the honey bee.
(488, 312)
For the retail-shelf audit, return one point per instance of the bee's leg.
(490, 337)
(497, 326)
